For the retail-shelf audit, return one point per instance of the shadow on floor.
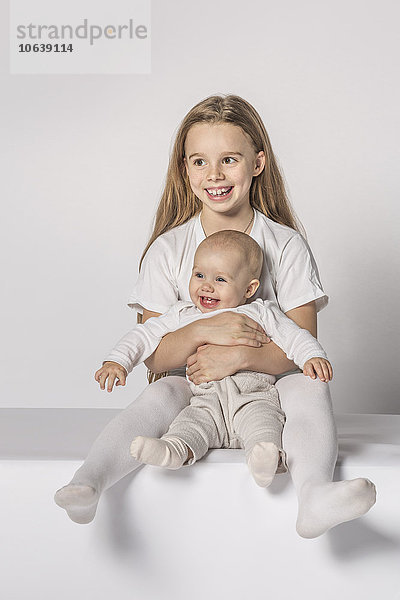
(356, 539)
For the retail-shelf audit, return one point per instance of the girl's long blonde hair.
(178, 203)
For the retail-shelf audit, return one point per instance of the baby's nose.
(207, 286)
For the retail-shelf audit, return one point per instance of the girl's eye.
(219, 279)
(199, 275)
(197, 162)
(230, 159)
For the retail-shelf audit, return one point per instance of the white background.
(85, 158)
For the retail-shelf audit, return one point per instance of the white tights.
(309, 439)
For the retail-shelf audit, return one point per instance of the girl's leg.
(310, 442)
(109, 458)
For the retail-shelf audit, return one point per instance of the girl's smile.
(219, 193)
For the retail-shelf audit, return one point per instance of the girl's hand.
(112, 371)
(231, 329)
(212, 363)
(318, 367)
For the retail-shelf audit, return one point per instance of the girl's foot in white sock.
(263, 461)
(80, 502)
(169, 452)
(325, 505)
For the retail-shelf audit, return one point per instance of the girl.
(223, 175)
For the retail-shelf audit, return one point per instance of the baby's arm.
(134, 347)
(298, 344)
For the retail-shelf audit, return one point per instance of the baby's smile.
(209, 302)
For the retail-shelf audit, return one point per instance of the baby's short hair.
(236, 240)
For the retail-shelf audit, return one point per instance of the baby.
(240, 411)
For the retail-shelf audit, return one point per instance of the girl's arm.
(270, 358)
(225, 329)
(173, 349)
(176, 347)
(209, 363)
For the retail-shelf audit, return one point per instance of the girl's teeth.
(219, 192)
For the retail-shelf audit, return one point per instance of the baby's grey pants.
(235, 412)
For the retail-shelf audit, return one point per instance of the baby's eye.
(230, 159)
(197, 162)
(221, 279)
(199, 275)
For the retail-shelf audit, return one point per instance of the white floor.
(206, 532)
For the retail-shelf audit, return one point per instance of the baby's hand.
(112, 371)
(318, 367)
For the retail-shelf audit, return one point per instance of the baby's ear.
(252, 288)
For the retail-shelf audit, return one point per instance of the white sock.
(80, 502)
(310, 442)
(109, 459)
(169, 452)
(324, 505)
(263, 461)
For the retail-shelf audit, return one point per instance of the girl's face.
(221, 162)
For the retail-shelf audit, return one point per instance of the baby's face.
(219, 279)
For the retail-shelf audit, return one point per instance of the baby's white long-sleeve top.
(137, 345)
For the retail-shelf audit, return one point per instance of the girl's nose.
(214, 172)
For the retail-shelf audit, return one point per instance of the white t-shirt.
(289, 276)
